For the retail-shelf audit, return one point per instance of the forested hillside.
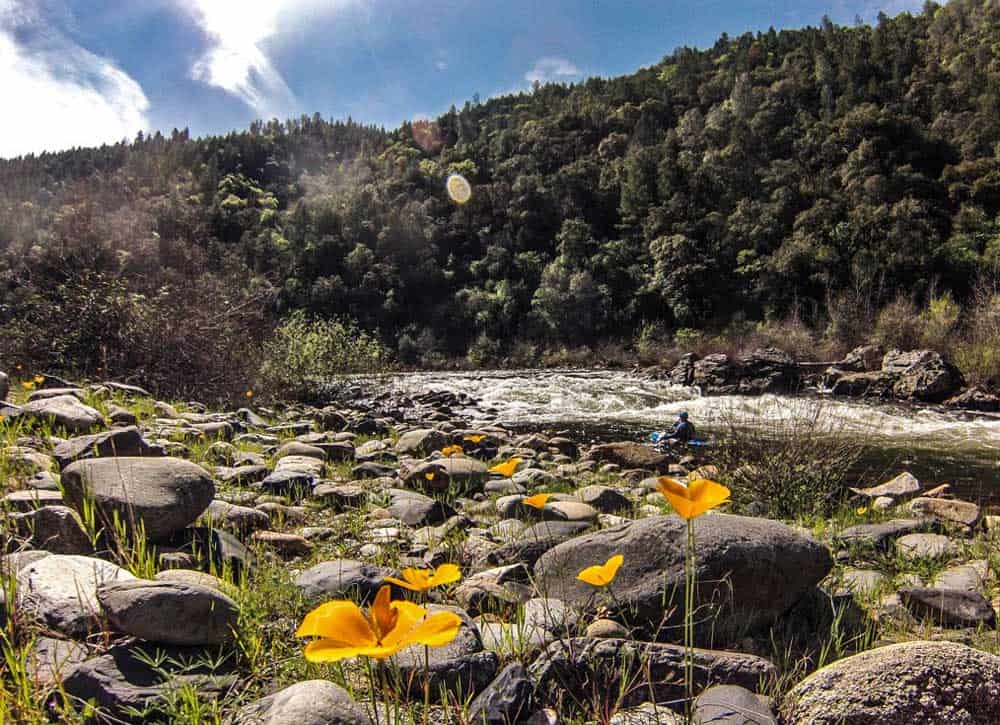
(816, 175)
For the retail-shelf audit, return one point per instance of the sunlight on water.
(617, 397)
(950, 445)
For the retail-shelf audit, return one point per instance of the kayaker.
(682, 430)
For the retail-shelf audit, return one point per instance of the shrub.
(977, 353)
(939, 322)
(899, 325)
(797, 465)
(314, 360)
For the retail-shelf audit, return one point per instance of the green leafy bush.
(311, 359)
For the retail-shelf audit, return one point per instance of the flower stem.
(427, 683)
(689, 585)
(372, 689)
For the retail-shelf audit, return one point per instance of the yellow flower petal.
(325, 650)
(475, 439)
(695, 499)
(603, 574)
(507, 468)
(340, 621)
(436, 630)
(449, 451)
(382, 614)
(446, 574)
(408, 616)
(537, 501)
(429, 475)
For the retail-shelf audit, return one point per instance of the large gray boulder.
(922, 375)
(118, 442)
(165, 494)
(61, 591)
(170, 612)
(901, 684)
(312, 702)
(628, 454)
(750, 571)
(342, 579)
(134, 677)
(63, 411)
(461, 666)
(583, 666)
(4, 385)
(421, 442)
(57, 529)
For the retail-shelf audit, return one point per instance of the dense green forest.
(808, 176)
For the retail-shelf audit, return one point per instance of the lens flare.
(459, 189)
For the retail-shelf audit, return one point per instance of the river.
(936, 445)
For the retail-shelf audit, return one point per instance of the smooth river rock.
(170, 612)
(64, 411)
(61, 591)
(583, 665)
(312, 702)
(165, 494)
(901, 684)
(756, 568)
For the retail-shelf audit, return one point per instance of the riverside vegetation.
(811, 188)
(162, 558)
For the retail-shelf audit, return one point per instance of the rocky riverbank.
(159, 557)
(921, 376)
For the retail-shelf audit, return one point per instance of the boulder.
(61, 591)
(715, 373)
(630, 455)
(421, 442)
(768, 370)
(30, 499)
(342, 579)
(604, 498)
(964, 513)
(949, 607)
(170, 612)
(901, 684)
(297, 448)
(4, 385)
(532, 542)
(123, 680)
(863, 359)
(63, 411)
(57, 529)
(928, 546)
(879, 536)
(638, 670)
(164, 494)
(732, 705)
(241, 520)
(683, 372)
(922, 375)
(875, 384)
(461, 666)
(312, 702)
(415, 509)
(905, 484)
(505, 701)
(124, 442)
(218, 549)
(975, 398)
(51, 659)
(753, 569)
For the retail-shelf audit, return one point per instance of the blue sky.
(84, 72)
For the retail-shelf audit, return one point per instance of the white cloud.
(237, 59)
(60, 95)
(552, 69)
